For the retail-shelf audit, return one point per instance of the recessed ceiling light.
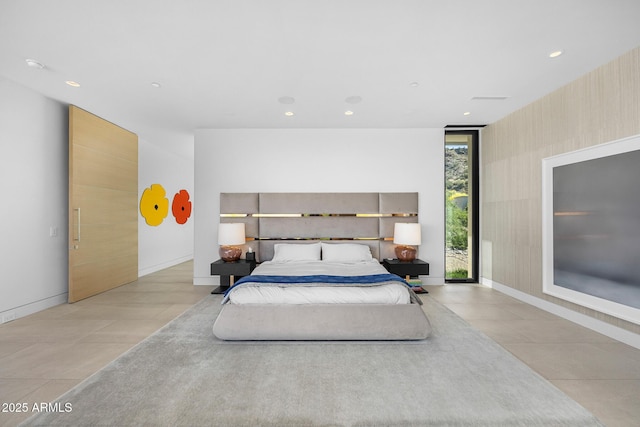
(467, 113)
(348, 113)
(72, 83)
(556, 53)
(288, 113)
(286, 100)
(156, 85)
(353, 99)
(34, 64)
(414, 84)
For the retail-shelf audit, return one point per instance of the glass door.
(461, 192)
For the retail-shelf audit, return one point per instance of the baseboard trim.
(432, 281)
(206, 281)
(148, 270)
(33, 307)
(596, 325)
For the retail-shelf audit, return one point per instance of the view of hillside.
(457, 184)
(457, 169)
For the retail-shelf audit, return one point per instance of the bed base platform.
(321, 322)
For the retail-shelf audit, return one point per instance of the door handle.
(78, 226)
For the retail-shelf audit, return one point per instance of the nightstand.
(407, 270)
(227, 270)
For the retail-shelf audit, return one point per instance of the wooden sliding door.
(103, 207)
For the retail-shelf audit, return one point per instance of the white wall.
(319, 160)
(169, 243)
(33, 185)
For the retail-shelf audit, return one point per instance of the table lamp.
(405, 235)
(229, 235)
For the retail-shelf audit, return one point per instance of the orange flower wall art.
(154, 206)
(181, 206)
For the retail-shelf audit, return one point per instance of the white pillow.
(346, 252)
(284, 252)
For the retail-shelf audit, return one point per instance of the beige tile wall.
(599, 107)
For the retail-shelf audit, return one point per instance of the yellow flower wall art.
(154, 206)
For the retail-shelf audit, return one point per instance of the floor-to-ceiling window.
(461, 181)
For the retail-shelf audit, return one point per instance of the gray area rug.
(183, 376)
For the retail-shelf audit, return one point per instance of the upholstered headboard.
(366, 218)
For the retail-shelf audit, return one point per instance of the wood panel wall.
(599, 107)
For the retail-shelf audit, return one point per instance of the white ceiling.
(226, 63)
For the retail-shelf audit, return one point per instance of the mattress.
(282, 291)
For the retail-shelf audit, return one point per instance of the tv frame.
(603, 305)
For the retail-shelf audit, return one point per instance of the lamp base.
(230, 253)
(405, 253)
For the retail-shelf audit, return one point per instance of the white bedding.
(391, 293)
(301, 268)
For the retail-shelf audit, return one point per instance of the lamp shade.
(231, 233)
(407, 234)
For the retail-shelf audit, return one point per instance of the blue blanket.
(326, 280)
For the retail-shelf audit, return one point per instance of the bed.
(321, 291)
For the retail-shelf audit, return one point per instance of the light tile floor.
(50, 352)
(601, 374)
